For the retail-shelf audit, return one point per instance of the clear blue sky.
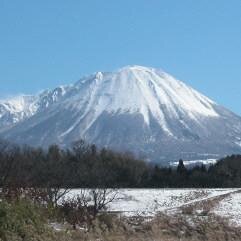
(47, 43)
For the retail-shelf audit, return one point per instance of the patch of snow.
(238, 143)
(17, 103)
(193, 162)
(148, 202)
(57, 226)
(230, 208)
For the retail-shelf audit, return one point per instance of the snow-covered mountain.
(21, 107)
(137, 109)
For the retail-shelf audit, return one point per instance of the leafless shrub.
(84, 208)
(44, 196)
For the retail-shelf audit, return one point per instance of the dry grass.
(186, 225)
(204, 207)
(194, 222)
(161, 228)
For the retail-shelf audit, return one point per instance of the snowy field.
(230, 207)
(148, 202)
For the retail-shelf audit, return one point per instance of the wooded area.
(84, 165)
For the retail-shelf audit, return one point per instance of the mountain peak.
(99, 75)
(135, 68)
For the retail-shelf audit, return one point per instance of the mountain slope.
(138, 109)
(19, 108)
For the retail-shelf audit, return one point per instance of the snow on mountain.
(138, 109)
(136, 89)
(21, 107)
(15, 110)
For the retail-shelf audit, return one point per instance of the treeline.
(84, 165)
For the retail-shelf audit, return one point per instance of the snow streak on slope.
(136, 89)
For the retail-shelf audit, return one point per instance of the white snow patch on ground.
(148, 202)
(230, 207)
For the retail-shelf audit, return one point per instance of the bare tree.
(101, 198)
(54, 195)
(47, 196)
(85, 207)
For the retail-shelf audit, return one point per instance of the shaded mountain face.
(137, 109)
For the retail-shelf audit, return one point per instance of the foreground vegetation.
(34, 181)
(23, 219)
(85, 166)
